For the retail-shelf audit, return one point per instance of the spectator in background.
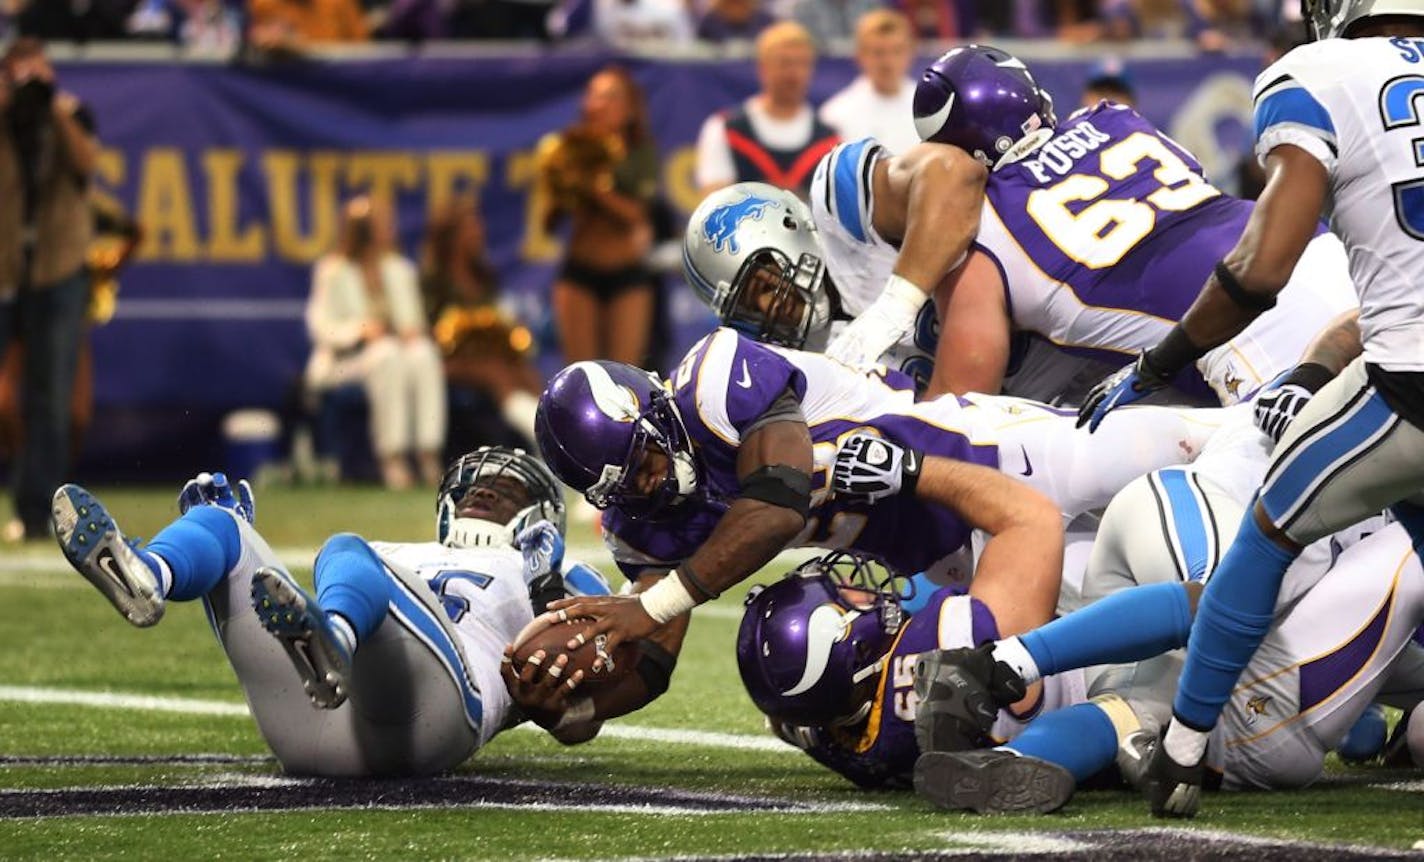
(878, 103)
(733, 20)
(831, 20)
(285, 26)
(484, 349)
(1108, 80)
(72, 20)
(774, 136)
(200, 26)
(629, 23)
(48, 153)
(942, 20)
(368, 327)
(602, 172)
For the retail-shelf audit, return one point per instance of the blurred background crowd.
(343, 270)
(284, 25)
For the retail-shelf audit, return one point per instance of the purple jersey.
(1106, 235)
(728, 382)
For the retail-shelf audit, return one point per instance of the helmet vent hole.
(789, 223)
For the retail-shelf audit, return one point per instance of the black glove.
(875, 468)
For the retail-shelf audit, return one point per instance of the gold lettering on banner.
(282, 168)
(227, 242)
(382, 174)
(539, 244)
(165, 207)
(680, 179)
(444, 172)
(111, 171)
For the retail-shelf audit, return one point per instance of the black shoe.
(1173, 790)
(960, 692)
(992, 782)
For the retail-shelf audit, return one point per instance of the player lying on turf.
(1342, 638)
(828, 655)
(401, 646)
(729, 465)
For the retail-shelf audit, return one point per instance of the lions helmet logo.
(720, 229)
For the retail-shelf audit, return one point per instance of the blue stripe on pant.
(1193, 540)
(1315, 458)
(420, 621)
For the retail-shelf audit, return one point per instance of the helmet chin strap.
(477, 533)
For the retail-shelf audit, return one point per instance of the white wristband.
(577, 712)
(904, 294)
(666, 599)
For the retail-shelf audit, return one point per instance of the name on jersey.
(1412, 50)
(1056, 158)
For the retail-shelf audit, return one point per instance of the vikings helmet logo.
(720, 229)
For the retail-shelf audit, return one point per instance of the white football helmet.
(1330, 19)
(512, 487)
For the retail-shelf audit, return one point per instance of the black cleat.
(1173, 790)
(992, 782)
(960, 693)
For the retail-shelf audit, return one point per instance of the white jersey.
(485, 596)
(1351, 104)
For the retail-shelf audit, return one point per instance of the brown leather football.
(553, 638)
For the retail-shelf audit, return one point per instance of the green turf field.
(150, 722)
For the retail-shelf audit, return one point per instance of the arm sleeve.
(1287, 113)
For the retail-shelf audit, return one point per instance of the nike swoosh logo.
(926, 126)
(110, 566)
(1028, 465)
(746, 381)
(912, 461)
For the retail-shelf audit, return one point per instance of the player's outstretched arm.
(929, 198)
(774, 464)
(1243, 285)
(1019, 569)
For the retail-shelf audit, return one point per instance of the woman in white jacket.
(367, 325)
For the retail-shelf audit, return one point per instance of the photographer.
(47, 155)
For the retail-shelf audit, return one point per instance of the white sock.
(344, 631)
(519, 410)
(165, 574)
(1013, 653)
(1184, 745)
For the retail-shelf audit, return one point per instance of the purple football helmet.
(596, 422)
(984, 101)
(812, 645)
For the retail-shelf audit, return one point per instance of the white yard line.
(194, 706)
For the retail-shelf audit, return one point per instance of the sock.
(198, 550)
(344, 632)
(1234, 614)
(1184, 744)
(1011, 652)
(351, 581)
(1080, 738)
(161, 570)
(1129, 625)
(923, 589)
(518, 410)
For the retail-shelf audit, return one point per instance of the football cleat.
(298, 623)
(960, 693)
(1134, 753)
(1172, 789)
(93, 545)
(991, 781)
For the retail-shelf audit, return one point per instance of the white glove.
(1276, 408)
(874, 468)
(889, 318)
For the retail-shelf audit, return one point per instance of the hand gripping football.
(548, 633)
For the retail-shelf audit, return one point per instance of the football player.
(394, 666)
(711, 476)
(1336, 122)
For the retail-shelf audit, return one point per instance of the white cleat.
(304, 631)
(93, 545)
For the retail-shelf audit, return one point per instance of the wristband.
(905, 293)
(667, 599)
(578, 711)
(1310, 376)
(1172, 354)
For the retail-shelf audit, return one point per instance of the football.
(548, 634)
